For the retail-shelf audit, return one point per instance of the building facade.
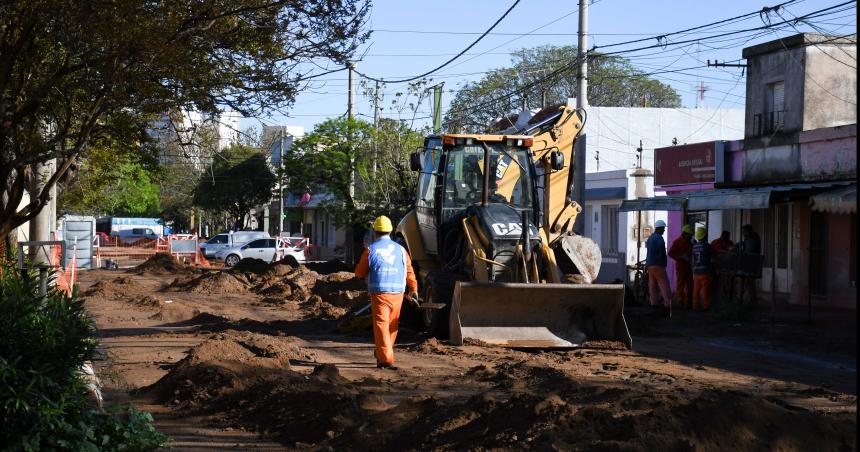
(792, 177)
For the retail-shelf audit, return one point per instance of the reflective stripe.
(387, 266)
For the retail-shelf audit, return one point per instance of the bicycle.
(639, 285)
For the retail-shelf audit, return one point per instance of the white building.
(190, 137)
(279, 140)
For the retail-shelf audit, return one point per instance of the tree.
(73, 74)
(241, 180)
(326, 162)
(612, 82)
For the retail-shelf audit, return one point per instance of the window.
(609, 228)
(260, 243)
(427, 181)
(218, 239)
(775, 109)
(509, 183)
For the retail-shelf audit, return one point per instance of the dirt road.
(253, 359)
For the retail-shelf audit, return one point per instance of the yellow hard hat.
(701, 233)
(687, 228)
(382, 224)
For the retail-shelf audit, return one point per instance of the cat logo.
(507, 229)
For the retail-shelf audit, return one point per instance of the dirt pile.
(342, 289)
(161, 264)
(316, 308)
(211, 283)
(118, 288)
(327, 267)
(226, 364)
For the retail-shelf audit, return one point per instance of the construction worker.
(703, 270)
(723, 243)
(751, 244)
(655, 262)
(388, 270)
(682, 252)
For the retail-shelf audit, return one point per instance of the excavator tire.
(438, 288)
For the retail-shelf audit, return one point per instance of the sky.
(396, 49)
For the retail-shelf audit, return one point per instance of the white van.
(226, 240)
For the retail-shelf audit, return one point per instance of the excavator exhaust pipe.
(521, 315)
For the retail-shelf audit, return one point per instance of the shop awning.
(729, 199)
(840, 200)
(842, 197)
(655, 203)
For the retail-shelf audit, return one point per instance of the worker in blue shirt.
(655, 262)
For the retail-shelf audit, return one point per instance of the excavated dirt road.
(254, 358)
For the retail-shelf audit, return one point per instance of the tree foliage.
(108, 183)
(73, 74)
(241, 180)
(343, 151)
(44, 341)
(612, 82)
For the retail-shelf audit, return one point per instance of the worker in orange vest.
(388, 269)
(682, 252)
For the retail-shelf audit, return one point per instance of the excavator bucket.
(521, 315)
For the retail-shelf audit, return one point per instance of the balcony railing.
(768, 123)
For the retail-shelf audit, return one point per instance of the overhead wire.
(451, 60)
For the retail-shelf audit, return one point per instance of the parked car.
(135, 235)
(296, 250)
(221, 242)
(264, 249)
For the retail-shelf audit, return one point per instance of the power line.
(409, 79)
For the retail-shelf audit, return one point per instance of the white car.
(267, 250)
(220, 242)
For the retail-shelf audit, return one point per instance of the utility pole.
(349, 252)
(581, 102)
(375, 126)
(351, 101)
(281, 214)
(437, 108)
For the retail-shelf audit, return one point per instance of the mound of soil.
(160, 264)
(342, 289)
(226, 364)
(430, 345)
(211, 283)
(174, 312)
(147, 301)
(251, 265)
(316, 308)
(117, 288)
(331, 266)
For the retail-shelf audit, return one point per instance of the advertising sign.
(685, 164)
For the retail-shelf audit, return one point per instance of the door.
(78, 235)
(776, 237)
(425, 204)
(817, 253)
(268, 253)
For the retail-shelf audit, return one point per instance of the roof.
(798, 40)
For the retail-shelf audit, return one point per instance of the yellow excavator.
(492, 243)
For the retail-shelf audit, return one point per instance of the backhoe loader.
(492, 243)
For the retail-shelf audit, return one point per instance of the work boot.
(386, 366)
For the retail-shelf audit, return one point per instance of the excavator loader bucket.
(522, 315)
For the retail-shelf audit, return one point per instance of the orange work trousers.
(386, 314)
(702, 286)
(684, 285)
(658, 283)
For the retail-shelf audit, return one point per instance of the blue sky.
(394, 51)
